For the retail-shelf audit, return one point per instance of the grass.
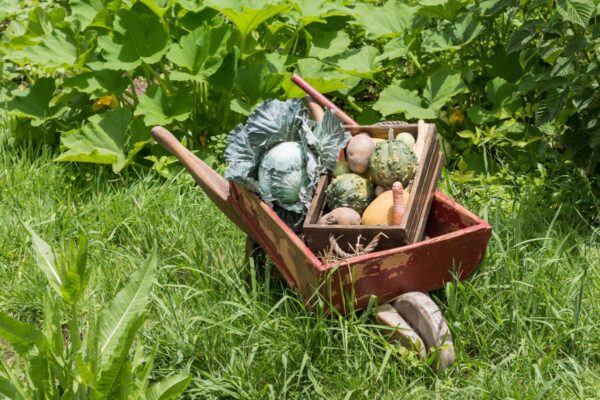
(525, 326)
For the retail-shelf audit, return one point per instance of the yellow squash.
(379, 212)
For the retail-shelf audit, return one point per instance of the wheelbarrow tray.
(454, 246)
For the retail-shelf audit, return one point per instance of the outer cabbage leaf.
(275, 122)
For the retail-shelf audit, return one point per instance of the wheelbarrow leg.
(425, 317)
(255, 253)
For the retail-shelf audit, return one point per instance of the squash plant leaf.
(200, 53)
(159, 108)
(246, 19)
(320, 75)
(55, 50)
(99, 141)
(257, 82)
(98, 83)
(397, 100)
(391, 19)
(359, 62)
(309, 11)
(33, 102)
(441, 86)
(453, 36)
(138, 37)
(444, 9)
(328, 43)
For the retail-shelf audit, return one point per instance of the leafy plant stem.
(415, 61)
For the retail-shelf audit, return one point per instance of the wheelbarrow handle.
(213, 184)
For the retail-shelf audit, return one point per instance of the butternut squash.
(379, 212)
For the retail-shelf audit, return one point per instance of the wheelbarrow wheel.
(402, 333)
(425, 317)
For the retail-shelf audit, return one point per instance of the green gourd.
(392, 161)
(349, 190)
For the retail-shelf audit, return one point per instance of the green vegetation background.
(511, 85)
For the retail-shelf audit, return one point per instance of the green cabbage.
(279, 153)
(282, 172)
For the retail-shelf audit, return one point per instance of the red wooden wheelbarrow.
(454, 246)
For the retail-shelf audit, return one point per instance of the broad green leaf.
(44, 258)
(191, 5)
(76, 275)
(391, 19)
(247, 19)
(138, 37)
(169, 388)
(523, 35)
(55, 50)
(200, 53)
(20, 335)
(99, 83)
(125, 310)
(99, 141)
(85, 11)
(320, 75)
(256, 82)
(33, 102)
(159, 108)
(443, 9)
(7, 389)
(479, 116)
(441, 86)
(309, 11)
(397, 100)
(328, 43)
(578, 12)
(359, 62)
(454, 35)
(500, 92)
(158, 7)
(395, 48)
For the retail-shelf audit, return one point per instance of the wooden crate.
(412, 227)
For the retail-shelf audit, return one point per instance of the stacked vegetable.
(280, 153)
(363, 184)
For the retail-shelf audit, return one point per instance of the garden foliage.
(92, 359)
(513, 80)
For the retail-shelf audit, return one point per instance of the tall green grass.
(526, 325)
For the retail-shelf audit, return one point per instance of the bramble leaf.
(578, 12)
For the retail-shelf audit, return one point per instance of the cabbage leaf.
(274, 122)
